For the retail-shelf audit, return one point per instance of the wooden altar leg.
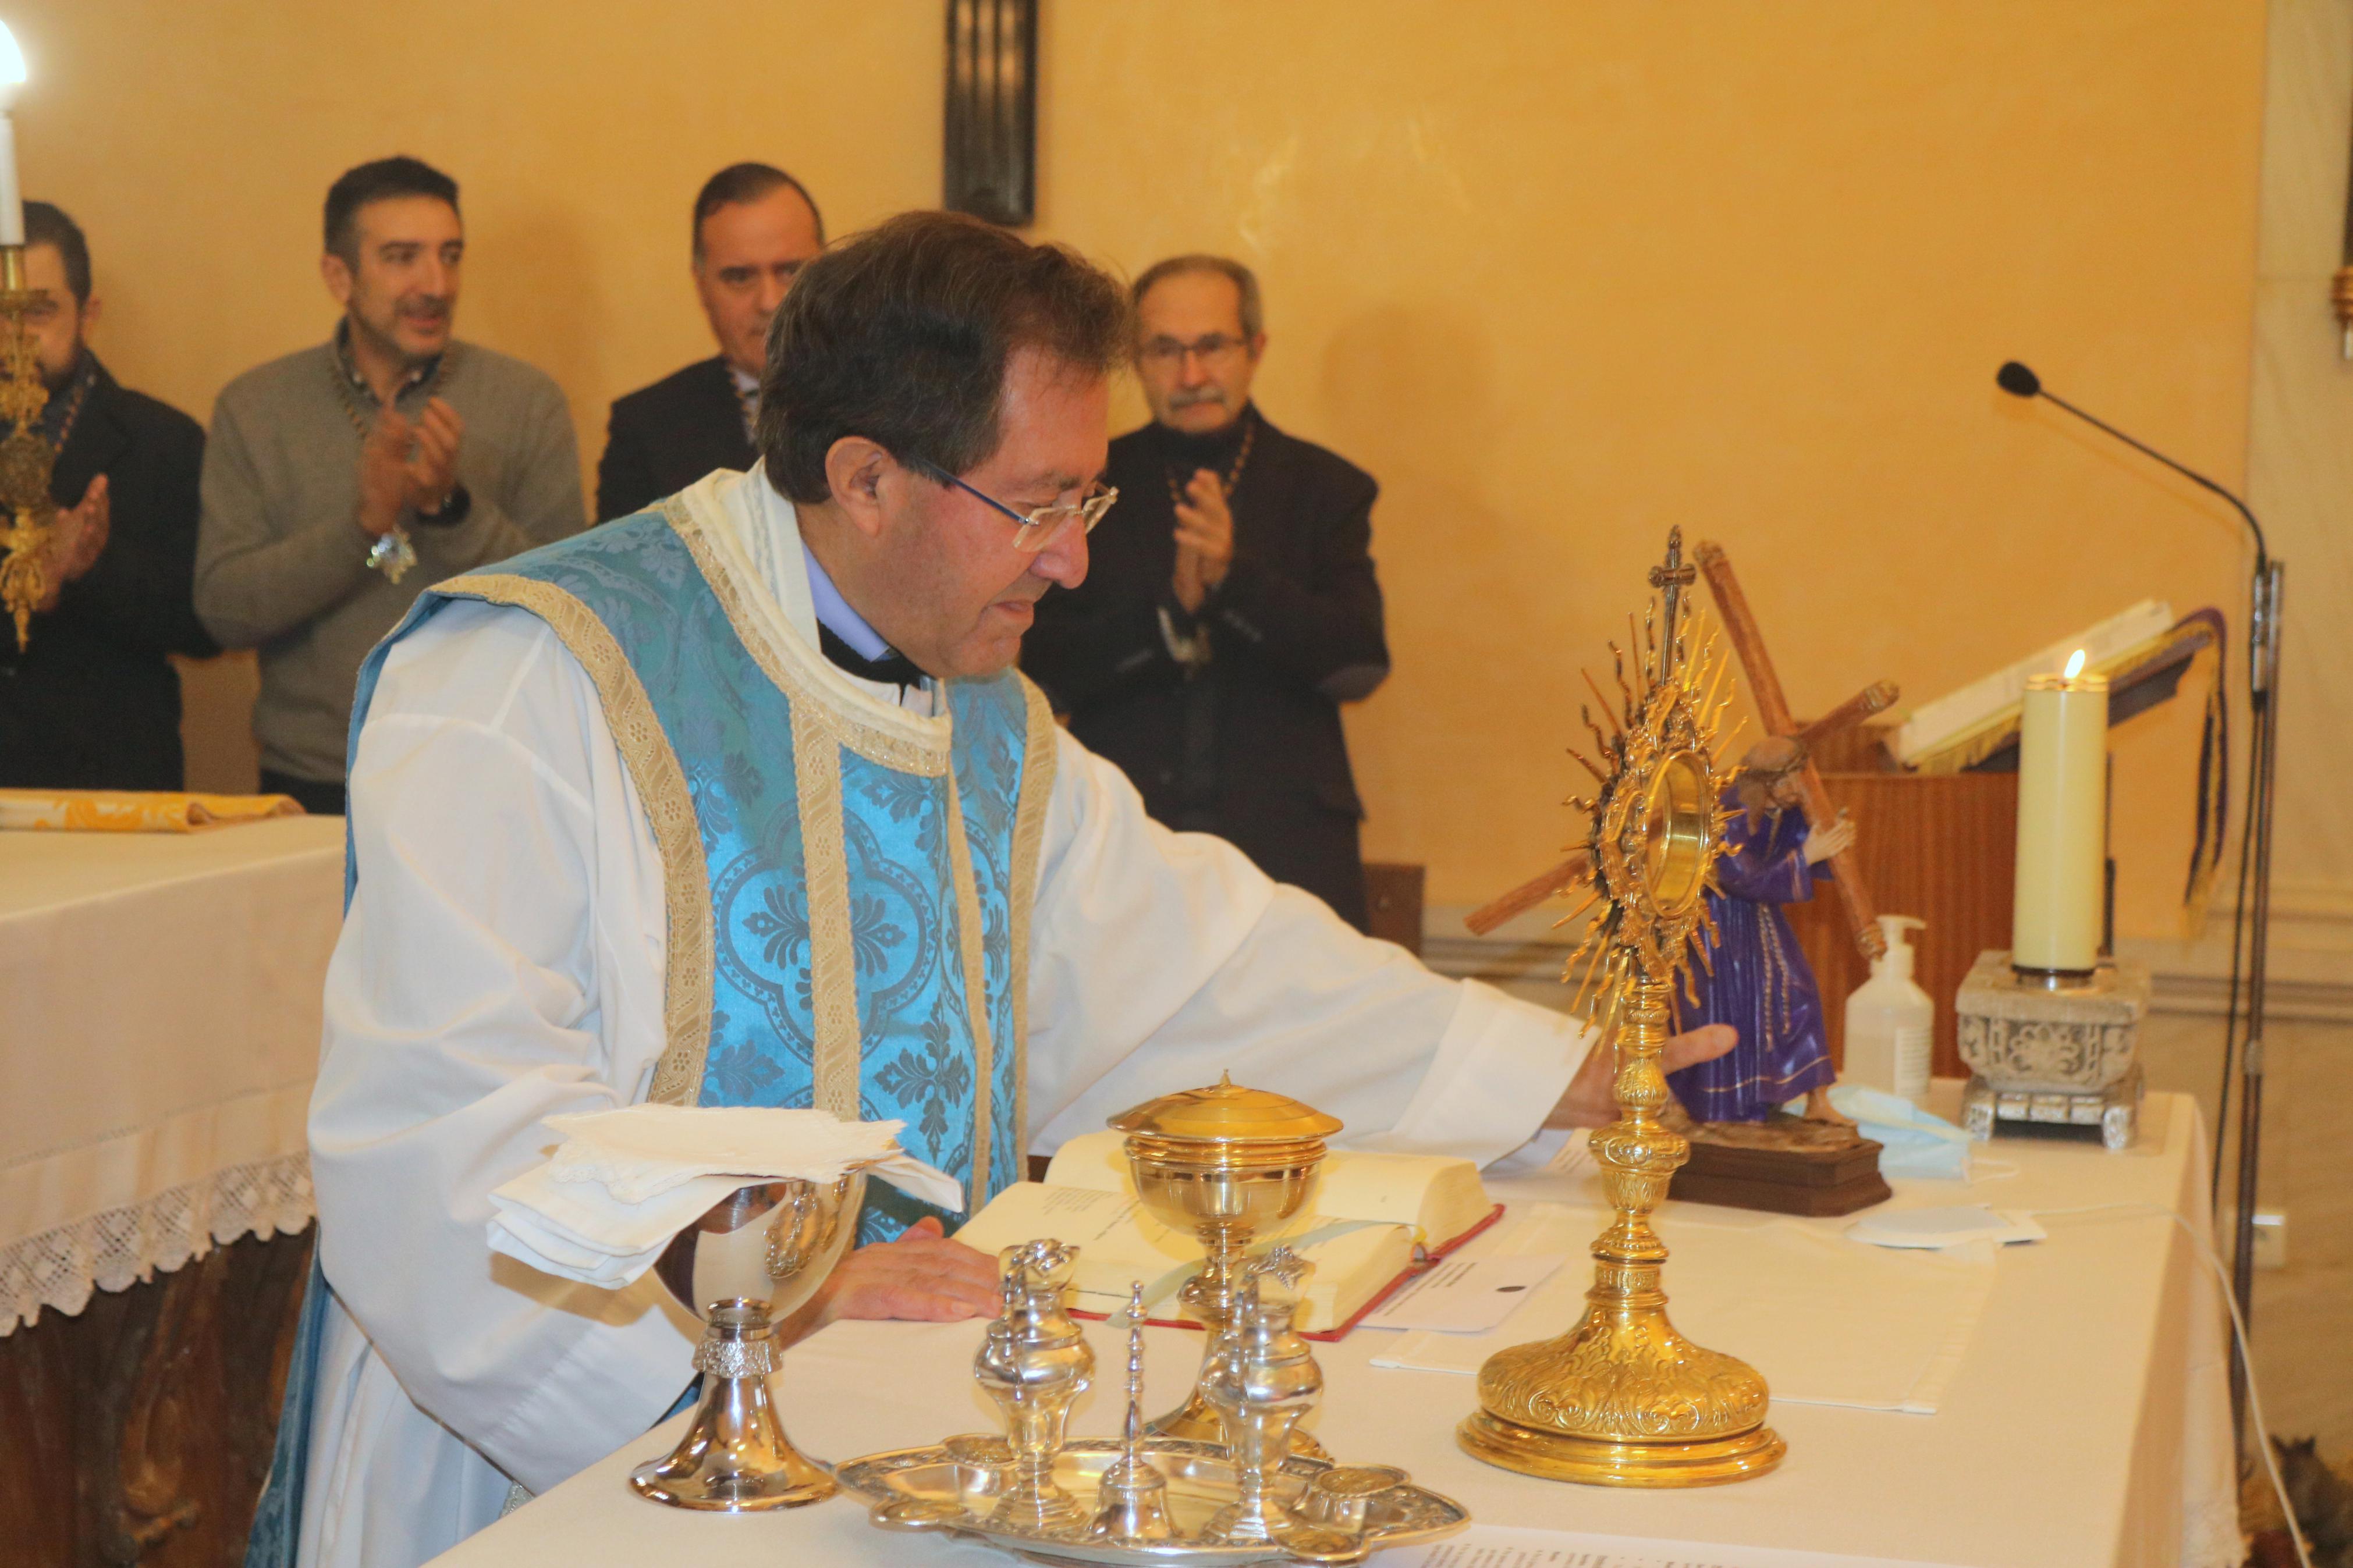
(139, 1431)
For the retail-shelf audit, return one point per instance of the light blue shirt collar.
(833, 611)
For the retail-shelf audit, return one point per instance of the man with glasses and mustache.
(341, 480)
(1235, 609)
(739, 801)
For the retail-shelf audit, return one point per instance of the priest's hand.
(1590, 1103)
(1205, 539)
(922, 1276)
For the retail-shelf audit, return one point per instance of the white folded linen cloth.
(622, 1182)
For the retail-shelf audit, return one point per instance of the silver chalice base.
(746, 1266)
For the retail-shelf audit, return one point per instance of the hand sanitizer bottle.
(1890, 1021)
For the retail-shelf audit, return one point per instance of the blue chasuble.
(847, 899)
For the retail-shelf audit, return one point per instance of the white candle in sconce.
(2062, 790)
(12, 195)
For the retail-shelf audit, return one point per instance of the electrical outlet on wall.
(2271, 1238)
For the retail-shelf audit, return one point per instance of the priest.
(740, 801)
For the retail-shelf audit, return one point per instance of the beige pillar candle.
(2063, 753)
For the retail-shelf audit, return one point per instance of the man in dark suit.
(754, 227)
(1231, 605)
(91, 700)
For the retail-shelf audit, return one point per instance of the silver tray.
(951, 1488)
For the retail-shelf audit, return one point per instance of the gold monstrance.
(1623, 1399)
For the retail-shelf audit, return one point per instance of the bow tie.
(892, 669)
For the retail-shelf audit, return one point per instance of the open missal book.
(1376, 1220)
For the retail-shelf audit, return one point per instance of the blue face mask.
(1913, 1143)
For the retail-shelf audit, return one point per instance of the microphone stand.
(2250, 926)
(2255, 916)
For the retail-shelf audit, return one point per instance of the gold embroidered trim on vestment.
(1038, 762)
(669, 810)
(834, 1061)
(798, 673)
(975, 990)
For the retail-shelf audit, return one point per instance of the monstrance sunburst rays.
(1681, 714)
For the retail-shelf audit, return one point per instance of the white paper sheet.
(1466, 1295)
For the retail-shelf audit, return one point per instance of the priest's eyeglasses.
(1039, 527)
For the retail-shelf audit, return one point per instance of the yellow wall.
(1561, 274)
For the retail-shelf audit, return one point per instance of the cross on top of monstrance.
(1670, 577)
(1622, 1398)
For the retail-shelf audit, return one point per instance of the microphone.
(2020, 382)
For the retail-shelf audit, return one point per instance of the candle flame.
(2074, 664)
(12, 59)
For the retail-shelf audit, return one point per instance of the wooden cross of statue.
(1773, 708)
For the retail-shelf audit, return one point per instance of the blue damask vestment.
(847, 892)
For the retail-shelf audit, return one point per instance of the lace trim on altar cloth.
(123, 1246)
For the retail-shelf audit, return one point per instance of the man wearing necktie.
(754, 227)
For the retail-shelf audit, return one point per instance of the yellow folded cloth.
(134, 811)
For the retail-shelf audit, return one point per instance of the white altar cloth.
(2087, 1423)
(157, 1043)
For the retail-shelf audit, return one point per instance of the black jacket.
(92, 702)
(1251, 747)
(663, 437)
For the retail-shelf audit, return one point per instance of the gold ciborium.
(747, 1265)
(1226, 1163)
(1623, 1399)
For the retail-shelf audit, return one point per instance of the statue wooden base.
(1786, 1164)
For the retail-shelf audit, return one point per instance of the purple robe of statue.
(1761, 986)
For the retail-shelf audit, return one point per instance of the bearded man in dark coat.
(91, 700)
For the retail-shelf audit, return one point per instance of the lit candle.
(2063, 752)
(12, 196)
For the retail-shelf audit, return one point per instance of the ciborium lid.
(1227, 1112)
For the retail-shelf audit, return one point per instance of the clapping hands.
(408, 465)
(77, 540)
(1204, 540)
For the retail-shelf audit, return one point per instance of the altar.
(156, 1053)
(2087, 1421)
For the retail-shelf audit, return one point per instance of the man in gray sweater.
(342, 480)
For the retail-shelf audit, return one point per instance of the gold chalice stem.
(1623, 1399)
